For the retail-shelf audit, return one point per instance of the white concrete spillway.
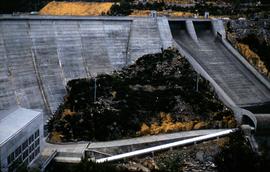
(198, 41)
(237, 83)
(39, 54)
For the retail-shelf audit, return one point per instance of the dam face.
(39, 55)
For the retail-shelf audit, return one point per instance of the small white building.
(21, 136)
(206, 14)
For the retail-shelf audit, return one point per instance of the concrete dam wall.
(39, 55)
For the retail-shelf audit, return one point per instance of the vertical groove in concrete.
(159, 32)
(69, 48)
(191, 30)
(47, 60)
(105, 46)
(116, 37)
(39, 81)
(7, 97)
(165, 32)
(94, 47)
(40, 84)
(22, 76)
(130, 41)
(128, 57)
(84, 63)
(145, 38)
(59, 57)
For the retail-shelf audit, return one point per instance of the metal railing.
(48, 160)
(166, 146)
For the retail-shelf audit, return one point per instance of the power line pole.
(95, 89)
(197, 82)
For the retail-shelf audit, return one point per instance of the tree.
(121, 9)
(237, 156)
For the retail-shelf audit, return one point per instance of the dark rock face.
(200, 157)
(237, 155)
(255, 34)
(242, 28)
(163, 82)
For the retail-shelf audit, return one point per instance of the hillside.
(252, 39)
(76, 8)
(155, 95)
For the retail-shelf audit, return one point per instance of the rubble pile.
(159, 93)
(199, 157)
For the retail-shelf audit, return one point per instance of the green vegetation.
(121, 9)
(234, 9)
(125, 100)
(125, 7)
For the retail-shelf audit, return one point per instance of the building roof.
(14, 120)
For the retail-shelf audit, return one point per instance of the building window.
(20, 159)
(36, 134)
(37, 151)
(24, 145)
(37, 142)
(25, 161)
(18, 151)
(25, 154)
(10, 158)
(31, 157)
(31, 148)
(31, 139)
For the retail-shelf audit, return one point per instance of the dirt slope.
(75, 8)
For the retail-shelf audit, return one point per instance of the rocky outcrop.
(252, 40)
(155, 95)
